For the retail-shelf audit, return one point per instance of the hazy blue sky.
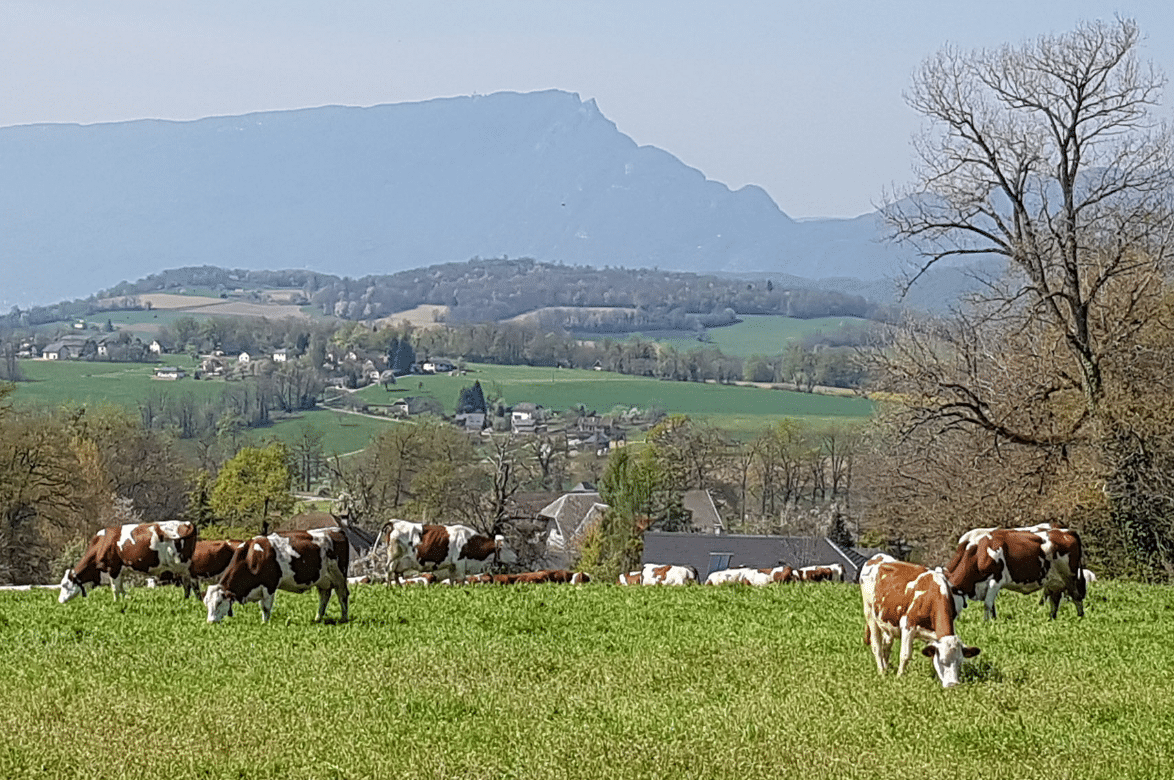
(801, 98)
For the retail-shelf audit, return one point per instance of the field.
(756, 334)
(554, 681)
(737, 409)
(741, 410)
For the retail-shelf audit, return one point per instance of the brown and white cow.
(631, 578)
(832, 572)
(456, 550)
(151, 548)
(667, 574)
(1024, 560)
(910, 601)
(294, 561)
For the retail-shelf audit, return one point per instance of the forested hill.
(497, 289)
(359, 191)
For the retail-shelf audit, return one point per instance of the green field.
(738, 409)
(554, 681)
(759, 334)
(741, 410)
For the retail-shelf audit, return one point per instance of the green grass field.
(759, 334)
(555, 681)
(743, 411)
(738, 409)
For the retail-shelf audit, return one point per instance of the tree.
(253, 483)
(471, 399)
(1047, 157)
(307, 453)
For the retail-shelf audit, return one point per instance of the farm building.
(710, 552)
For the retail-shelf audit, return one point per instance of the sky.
(801, 98)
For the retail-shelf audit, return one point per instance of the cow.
(1040, 557)
(742, 574)
(832, 572)
(290, 560)
(666, 574)
(631, 578)
(209, 560)
(457, 549)
(151, 548)
(917, 604)
(783, 574)
(565, 576)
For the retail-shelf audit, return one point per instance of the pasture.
(756, 334)
(555, 681)
(738, 409)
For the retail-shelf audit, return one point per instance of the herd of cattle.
(900, 599)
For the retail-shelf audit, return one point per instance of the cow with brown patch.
(1023, 560)
(293, 561)
(455, 550)
(916, 604)
(151, 548)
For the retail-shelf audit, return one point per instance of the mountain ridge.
(359, 191)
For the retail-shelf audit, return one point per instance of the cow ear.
(929, 651)
(254, 559)
(970, 652)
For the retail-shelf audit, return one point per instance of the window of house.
(719, 561)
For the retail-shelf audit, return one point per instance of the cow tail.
(375, 545)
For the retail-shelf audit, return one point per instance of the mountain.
(357, 191)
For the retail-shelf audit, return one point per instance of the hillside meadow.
(555, 681)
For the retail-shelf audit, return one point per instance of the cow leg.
(323, 600)
(116, 586)
(266, 605)
(344, 597)
(882, 647)
(1055, 596)
(906, 651)
(989, 603)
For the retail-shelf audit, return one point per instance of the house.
(709, 552)
(212, 366)
(156, 348)
(569, 516)
(411, 405)
(436, 366)
(169, 372)
(69, 348)
(472, 422)
(526, 417)
(281, 356)
(243, 358)
(104, 343)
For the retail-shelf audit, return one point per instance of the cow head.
(70, 587)
(502, 552)
(218, 602)
(947, 654)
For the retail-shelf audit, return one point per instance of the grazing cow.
(917, 604)
(665, 574)
(152, 548)
(1024, 560)
(423, 578)
(565, 576)
(828, 573)
(631, 578)
(783, 574)
(455, 549)
(291, 560)
(742, 574)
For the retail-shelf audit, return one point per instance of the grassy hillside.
(551, 682)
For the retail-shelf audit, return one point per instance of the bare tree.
(1045, 155)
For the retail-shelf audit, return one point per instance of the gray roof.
(705, 516)
(746, 550)
(570, 510)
